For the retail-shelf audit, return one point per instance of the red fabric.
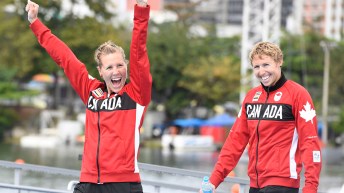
(112, 120)
(271, 153)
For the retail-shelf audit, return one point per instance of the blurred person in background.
(114, 108)
(277, 122)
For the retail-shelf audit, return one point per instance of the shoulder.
(296, 92)
(255, 90)
(295, 87)
(95, 83)
(254, 93)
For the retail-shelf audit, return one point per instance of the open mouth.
(116, 81)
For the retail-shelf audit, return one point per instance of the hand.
(141, 3)
(32, 11)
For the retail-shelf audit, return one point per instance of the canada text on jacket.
(119, 102)
(267, 111)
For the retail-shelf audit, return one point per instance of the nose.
(115, 71)
(259, 71)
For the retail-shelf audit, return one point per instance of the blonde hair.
(267, 49)
(108, 48)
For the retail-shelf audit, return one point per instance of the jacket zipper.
(257, 132)
(98, 168)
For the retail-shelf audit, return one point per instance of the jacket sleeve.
(75, 70)
(232, 150)
(306, 124)
(140, 77)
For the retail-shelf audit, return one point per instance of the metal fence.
(188, 180)
(156, 186)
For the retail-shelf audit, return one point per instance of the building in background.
(323, 16)
(334, 19)
(314, 14)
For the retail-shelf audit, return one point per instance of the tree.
(338, 126)
(303, 62)
(21, 53)
(175, 54)
(21, 57)
(16, 52)
(10, 95)
(8, 118)
(212, 80)
(336, 77)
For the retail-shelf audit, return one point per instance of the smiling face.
(267, 59)
(112, 66)
(266, 69)
(113, 71)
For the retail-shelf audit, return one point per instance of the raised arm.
(59, 52)
(140, 77)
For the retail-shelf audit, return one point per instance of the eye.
(120, 65)
(108, 68)
(266, 65)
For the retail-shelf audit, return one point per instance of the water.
(206, 186)
(67, 157)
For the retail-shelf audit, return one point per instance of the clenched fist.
(142, 3)
(32, 10)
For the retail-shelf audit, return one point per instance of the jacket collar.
(278, 84)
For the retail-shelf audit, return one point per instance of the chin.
(267, 85)
(116, 90)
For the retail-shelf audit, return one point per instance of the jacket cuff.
(35, 24)
(141, 12)
(214, 181)
(37, 27)
(309, 190)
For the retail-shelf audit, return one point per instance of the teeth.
(265, 78)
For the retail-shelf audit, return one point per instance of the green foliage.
(303, 62)
(8, 118)
(9, 89)
(184, 66)
(303, 57)
(212, 80)
(336, 88)
(84, 35)
(99, 7)
(179, 59)
(170, 51)
(21, 56)
(16, 43)
(338, 126)
(20, 50)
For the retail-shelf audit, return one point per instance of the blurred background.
(198, 51)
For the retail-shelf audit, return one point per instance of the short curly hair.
(108, 48)
(267, 49)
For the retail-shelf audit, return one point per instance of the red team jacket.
(112, 122)
(279, 127)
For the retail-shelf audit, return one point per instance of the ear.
(280, 63)
(100, 73)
